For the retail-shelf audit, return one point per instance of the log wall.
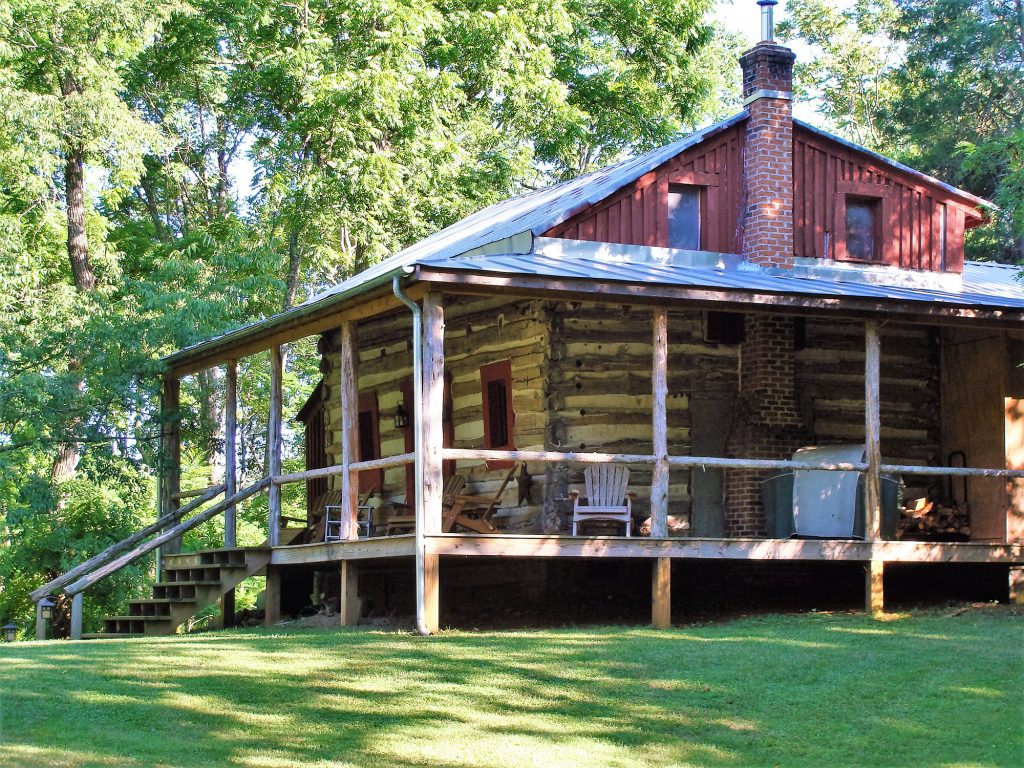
(478, 331)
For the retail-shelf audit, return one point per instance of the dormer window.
(684, 216)
(863, 235)
(863, 223)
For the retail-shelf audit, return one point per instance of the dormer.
(781, 193)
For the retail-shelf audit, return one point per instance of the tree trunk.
(78, 245)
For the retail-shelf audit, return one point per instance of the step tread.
(204, 583)
(136, 617)
(113, 635)
(215, 551)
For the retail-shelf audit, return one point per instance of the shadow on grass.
(807, 690)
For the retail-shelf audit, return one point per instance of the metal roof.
(982, 285)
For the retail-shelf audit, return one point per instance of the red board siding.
(824, 172)
(638, 213)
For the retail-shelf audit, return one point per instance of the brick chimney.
(767, 225)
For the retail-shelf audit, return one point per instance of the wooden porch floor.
(521, 545)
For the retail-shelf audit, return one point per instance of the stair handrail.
(114, 549)
(143, 549)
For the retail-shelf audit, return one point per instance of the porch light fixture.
(10, 632)
(46, 607)
(401, 417)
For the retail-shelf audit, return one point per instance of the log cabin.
(773, 329)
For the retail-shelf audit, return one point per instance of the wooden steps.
(191, 581)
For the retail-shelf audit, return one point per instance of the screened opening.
(723, 327)
(369, 442)
(497, 411)
(684, 217)
(499, 419)
(862, 235)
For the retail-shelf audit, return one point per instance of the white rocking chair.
(607, 497)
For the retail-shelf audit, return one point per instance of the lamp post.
(10, 632)
(44, 612)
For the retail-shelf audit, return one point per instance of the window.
(862, 230)
(369, 441)
(723, 328)
(684, 217)
(499, 418)
(312, 415)
(864, 223)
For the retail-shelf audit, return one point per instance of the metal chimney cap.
(767, 20)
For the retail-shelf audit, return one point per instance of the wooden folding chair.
(607, 497)
(475, 512)
(406, 521)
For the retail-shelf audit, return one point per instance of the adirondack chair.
(475, 512)
(334, 516)
(405, 521)
(607, 497)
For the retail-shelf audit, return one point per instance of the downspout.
(417, 385)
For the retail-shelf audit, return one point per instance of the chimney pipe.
(768, 20)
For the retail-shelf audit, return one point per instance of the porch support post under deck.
(272, 596)
(171, 470)
(430, 415)
(874, 595)
(349, 387)
(659, 382)
(348, 605)
(274, 452)
(661, 593)
(231, 451)
(76, 616)
(227, 600)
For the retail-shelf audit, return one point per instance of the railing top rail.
(336, 469)
(195, 492)
(719, 462)
(143, 549)
(114, 549)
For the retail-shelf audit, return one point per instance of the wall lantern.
(10, 632)
(401, 417)
(46, 607)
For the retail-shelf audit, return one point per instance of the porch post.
(349, 387)
(272, 596)
(274, 452)
(661, 593)
(348, 602)
(659, 383)
(430, 413)
(76, 616)
(231, 451)
(171, 469)
(874, 593)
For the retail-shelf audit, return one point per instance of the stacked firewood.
(931, 519)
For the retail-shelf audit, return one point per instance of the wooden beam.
(431, 413)
(349, 605)
(274, 447)
(659, 418)
(874, 589)
(586, 289)
(357, 549)
(171, 466)
(431, 592)
(338, 469)
(872, 432)
(523, 545)
(272, 597)
(231, 452)
(348, 385)
(661, 593)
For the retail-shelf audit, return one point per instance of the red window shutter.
(369, 441)
(498, 414)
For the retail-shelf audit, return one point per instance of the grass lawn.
(817, 690)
